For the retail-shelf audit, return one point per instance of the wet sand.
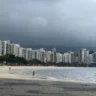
(12, 87)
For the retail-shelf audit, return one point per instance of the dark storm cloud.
(63, 21)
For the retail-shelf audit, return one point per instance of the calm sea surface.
(87, 75)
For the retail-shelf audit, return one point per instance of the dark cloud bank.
(41, 23)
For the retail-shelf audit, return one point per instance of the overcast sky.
(50, 22)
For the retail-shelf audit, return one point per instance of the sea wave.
(52, 78)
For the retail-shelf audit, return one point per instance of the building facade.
(15, 49)
(84, 54)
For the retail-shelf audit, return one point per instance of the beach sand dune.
(12, 87)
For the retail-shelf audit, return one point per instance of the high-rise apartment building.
(15, 49)
(53, 55)
(8, 47)
(90, 59)
(94, 57)
(48, 56)
(20, 52)
(29, 53)
(33, 54)
(59, 57)
(38, 55)
(4, 49)
(68, 57)
(83, 56)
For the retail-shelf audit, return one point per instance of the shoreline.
(8, 75)
(40, 67)
(23, 77)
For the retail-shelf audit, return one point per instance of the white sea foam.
(51, 78)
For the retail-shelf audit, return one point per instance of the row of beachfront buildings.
(83, 56)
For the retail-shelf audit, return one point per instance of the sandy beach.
(35, 67)
(11, 87)
(19, 85)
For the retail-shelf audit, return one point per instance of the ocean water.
(86, 75)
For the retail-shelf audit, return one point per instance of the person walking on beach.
(9, 68)
(33, 74)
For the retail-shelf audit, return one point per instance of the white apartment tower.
(68, 57)
(33, 54)
(59, 57)
(90, 59)
(3, 47)
(84, 55)
(8, 47)
(0, 48)
(48, 56)
(29, 53)
(65, 57)
(15, 49)
(20, 51)
(71, 57)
